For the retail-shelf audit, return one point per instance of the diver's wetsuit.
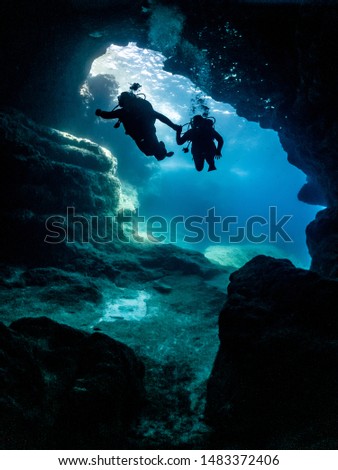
(202, 145)
(139, 122)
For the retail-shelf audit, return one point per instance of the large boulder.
(274, 383)
(322, 240)
(62, 388)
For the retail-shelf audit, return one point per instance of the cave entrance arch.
(254, 185)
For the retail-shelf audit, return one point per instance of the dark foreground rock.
(274, 383)
(322, 240)
(63, 388)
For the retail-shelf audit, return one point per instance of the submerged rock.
(162, 287)
(66, 389)
(44, 172)
(274, 382)
(322, 240)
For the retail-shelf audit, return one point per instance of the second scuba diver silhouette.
(138, 118)
(202, 135)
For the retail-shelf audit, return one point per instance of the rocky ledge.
(44, 171)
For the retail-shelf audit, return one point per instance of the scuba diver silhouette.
(138, 118)
(202, 135)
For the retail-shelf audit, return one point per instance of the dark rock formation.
(274, 382)
(49, 50)
(322, 241)
(66, 389)
(43, 172)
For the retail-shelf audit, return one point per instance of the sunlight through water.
(252, 175)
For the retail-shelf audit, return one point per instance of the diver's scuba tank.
(206, 123)
(133, 89)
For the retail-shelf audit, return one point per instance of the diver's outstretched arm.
(181, 139)
(165, 120)
(108, 114)
(220, 142)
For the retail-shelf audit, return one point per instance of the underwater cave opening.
(247, 207)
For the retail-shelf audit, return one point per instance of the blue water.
(252, 176)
